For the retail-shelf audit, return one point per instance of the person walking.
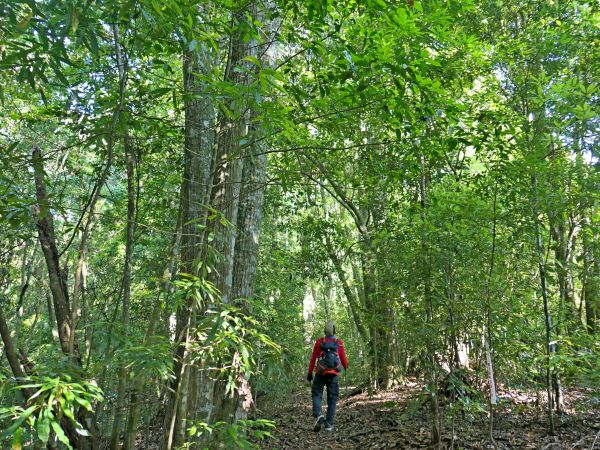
(328, 357)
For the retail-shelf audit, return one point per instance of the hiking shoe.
(328, 427)
(319, 422)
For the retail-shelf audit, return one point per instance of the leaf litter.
(399, 418)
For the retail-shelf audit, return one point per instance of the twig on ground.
(360, 433)
(594, 443)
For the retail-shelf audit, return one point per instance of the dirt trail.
(398, 420)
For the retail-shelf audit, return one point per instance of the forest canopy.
(190, 189)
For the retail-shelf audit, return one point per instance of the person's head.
(329, 328)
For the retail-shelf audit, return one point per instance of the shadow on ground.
(398, 419)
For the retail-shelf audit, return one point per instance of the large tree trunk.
(198, 161)
(245, 261)
(199, 397)
(225, 199)
(248, 222)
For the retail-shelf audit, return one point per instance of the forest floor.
(398, 419)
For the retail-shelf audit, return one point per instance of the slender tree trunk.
(547, 319)
(26, 269)
(122, 66)
(489, 343)
(45, 225)
(51, 315)
(116, 116)
(176, 419)
(126, 290)
(137, 394)
(591, 271)
(12, 355)
(15, 360)
(568, 317)
(376, 305)
(436, 429)
(353, 302)
(454, 358)
(85, 315)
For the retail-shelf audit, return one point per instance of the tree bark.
(199, 145)
(563, 245)
(125, 289)
(225, 198)
(26, 270)
(547, 318)
(489, 343)
(45, 225)
(436, 429)
(12, 355)
(353, 301)
(249, 219)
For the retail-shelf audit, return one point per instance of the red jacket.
(317, 353)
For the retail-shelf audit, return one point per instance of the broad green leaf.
(74, 20)
(24, 415)
(16, 440)
(43, 425)
(60, 434)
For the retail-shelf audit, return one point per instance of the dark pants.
(333, 393)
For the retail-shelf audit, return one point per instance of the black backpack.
(329, 362)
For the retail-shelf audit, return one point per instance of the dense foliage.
(423, 172)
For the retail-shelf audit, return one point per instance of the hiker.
(329, 357)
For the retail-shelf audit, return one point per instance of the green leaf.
(16, 440)
(83, 402)
(10, 430)
(43, 426)
(93, 41)
(22, 24)
(12, 146)
(60, 434)
(160, 92)
(253, 59)
(74, 20)
(214, 329)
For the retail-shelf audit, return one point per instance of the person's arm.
(342, 354)
(314, 356)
